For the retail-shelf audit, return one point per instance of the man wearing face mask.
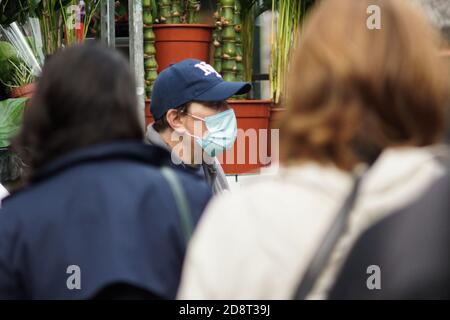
(193, 119)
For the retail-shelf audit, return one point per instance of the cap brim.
(224, 90)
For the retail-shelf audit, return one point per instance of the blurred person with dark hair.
(356, 97)
(97, 217)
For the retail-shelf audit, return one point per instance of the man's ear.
(173, 119)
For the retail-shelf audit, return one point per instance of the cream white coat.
(257, 243)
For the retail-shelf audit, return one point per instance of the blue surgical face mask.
(222, 132)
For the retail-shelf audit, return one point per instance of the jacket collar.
(127, 150)
(154, 138)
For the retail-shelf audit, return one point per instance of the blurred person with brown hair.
(356, 97)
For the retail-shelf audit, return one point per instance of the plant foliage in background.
(11, 112)
(233, 37)
(149, 11)
(77, 16)
(59, 20)
(8, 58)
(14, 10)
(178, 11)
(19, 62)
(49, 13)
(287, 16)
(225, 39)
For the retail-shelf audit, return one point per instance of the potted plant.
(21, 57)
(11, 111)
(15, 75)
(284, 34)
(19, 65)
(233, 50)
(36, 28)
(178, 33)
(150, 11)
(62, 22)
(77, 16)
(171, 34)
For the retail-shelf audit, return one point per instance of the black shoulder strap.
(338, 227)
(322, 255)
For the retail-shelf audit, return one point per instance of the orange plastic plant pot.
(176, 42)
(25, 91)
(253, 121)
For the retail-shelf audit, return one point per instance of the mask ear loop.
(195, 117)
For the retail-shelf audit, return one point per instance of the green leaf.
(154, 9)
(13, 10)
(11, 112)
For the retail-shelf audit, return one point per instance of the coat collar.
(127, 150)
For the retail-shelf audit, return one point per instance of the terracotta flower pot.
(176, 42)
(25, 91)
(250, 114)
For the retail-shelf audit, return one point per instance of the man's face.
(199, 110)
(197, 127)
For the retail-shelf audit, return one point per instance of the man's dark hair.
(161, 124)
(86, 95)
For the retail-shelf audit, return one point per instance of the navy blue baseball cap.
(191, 80)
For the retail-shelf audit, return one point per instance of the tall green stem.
(176, 11)
(150, 63)
(285, 31)
(165, 14)
(229, 66)
(238, 41)
(193, 7)
(217, 38)
(248, 30)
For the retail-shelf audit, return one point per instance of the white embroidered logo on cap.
(207, 69)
